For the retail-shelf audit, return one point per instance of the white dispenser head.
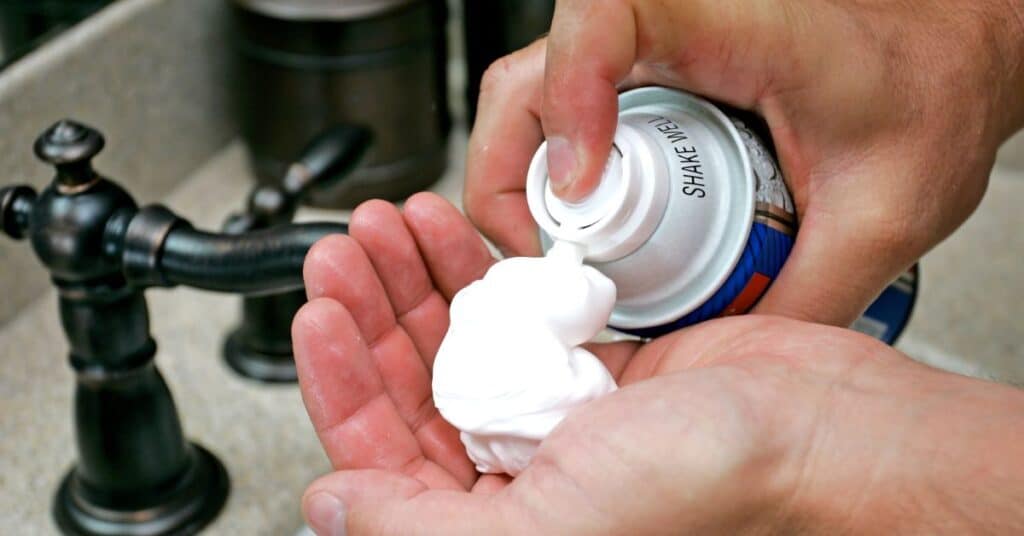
(621, 214)
(671, 216)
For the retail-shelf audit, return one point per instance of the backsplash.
(150, 74)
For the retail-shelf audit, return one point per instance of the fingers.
(825, 280)
(491, 483)
(504, 138)
(591, 48)
(614, 355)
(364, 426)
(570, 81)
(381, 502)
(339, 268)
(343, 392)
(419, 308)
(729, 51)
(454, 253)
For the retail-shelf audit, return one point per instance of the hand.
(886, 116)
(751, 423)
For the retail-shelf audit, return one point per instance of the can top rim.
(692, 296)
(305, 10)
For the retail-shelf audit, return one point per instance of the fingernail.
(325, 514)
(561, 163)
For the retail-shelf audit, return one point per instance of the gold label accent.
(774, 217)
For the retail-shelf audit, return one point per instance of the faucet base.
(192, 504)
(261, 347)
(251, 363)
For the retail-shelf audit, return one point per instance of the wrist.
(915, 450)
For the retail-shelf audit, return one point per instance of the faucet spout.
(264, 261)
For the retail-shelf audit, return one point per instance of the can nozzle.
(567, 252)
(599, 204)
(624, 210)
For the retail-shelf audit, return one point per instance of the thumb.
(373, 501)
(591, 48)
(729, 51)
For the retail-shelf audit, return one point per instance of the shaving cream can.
(691, 219)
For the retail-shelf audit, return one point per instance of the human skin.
(886, 116)
(754, 424)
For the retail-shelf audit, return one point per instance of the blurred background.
(27, 24)
(207, 105)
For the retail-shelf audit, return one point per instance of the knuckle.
(513, 68)
(496, 75)
(475, 207)
(860, 225)
(329, 246)
(370, 217)
(470, 205)
(888, 235)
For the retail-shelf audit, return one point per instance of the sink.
(260, 431)
(967, 318)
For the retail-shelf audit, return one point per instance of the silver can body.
(724, 221)
(726, 225)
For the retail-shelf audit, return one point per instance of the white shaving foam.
(511, 367)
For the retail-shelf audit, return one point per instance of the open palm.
(364, 347)
(366, 341)
(750, 422)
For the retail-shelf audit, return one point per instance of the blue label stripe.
(766, 252)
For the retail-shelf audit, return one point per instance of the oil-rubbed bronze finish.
(136, 472)
(303, 66)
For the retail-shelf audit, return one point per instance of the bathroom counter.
(967, 319)
(259, 431)
(165, 111)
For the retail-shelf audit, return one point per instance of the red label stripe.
(751, 293)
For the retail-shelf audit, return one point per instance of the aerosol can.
(692, 219)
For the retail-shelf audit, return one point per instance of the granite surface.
(150, 75)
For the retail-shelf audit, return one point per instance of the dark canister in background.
(306, 65)
(494, 28)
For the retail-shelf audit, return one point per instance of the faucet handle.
(333, 154)
(15, 208)
(70, 146)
